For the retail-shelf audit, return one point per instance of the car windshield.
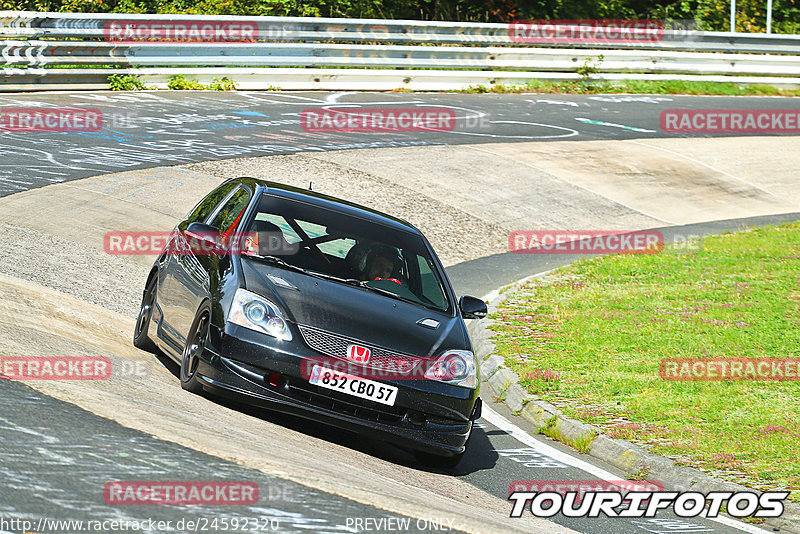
(348, 249)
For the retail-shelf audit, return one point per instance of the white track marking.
(541, 447)
(729, 175)
(480, 114)
(613, 125)
(625, 98)
(471, 114)
(554, 102)
(523, 437)
(574, 185)
(570, 131)
(300, 100)
(333, 98)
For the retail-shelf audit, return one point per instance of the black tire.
(141, 339)
(195, 345)
(438, 462)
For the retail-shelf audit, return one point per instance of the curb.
(589, 439)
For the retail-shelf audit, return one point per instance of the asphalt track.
(150, 129)
(55, 460)
(75, 452)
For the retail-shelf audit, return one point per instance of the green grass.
(589, 338)
(126, 82)
(180, 82)
(666, 87)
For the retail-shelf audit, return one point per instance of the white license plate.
(327, 378)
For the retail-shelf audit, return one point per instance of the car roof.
(326, 201)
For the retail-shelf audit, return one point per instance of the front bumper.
(429, 416)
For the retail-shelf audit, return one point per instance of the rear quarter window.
(232, 210)
(207, 205)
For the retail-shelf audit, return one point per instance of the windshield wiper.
(383, 291)
(350, 281)
(280, 262)
(274, 260)
(362, 284)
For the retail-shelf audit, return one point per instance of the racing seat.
(355, 261)
(271, 241)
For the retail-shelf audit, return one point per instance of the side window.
(207, 205)
(431, 288)
(232, 210)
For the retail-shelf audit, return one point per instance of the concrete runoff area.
(59, 475)
(156, 405)
(464, 198)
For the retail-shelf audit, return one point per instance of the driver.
(382, 262)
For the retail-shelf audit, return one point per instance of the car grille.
(336, 346)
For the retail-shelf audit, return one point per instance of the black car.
(303, 303)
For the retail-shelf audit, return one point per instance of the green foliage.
(751, 15)
(702, 14)
(222, 84)
(179, 82)
(590, 67)
(480, 89)
(658, 87)
(605, 325)
(125, 82)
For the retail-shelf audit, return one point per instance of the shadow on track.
(480, 453)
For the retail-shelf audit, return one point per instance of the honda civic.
(302, 303)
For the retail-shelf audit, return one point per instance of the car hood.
(355, 312)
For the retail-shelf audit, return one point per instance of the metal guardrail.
(36, 25)
(40, 41)
(41, 53)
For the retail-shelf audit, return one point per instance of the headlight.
(457, 367)
(257, 313)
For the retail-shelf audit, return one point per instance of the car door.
(193, 273)
(168, 299)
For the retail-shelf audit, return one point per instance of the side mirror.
(472, 308)
(203, 238)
